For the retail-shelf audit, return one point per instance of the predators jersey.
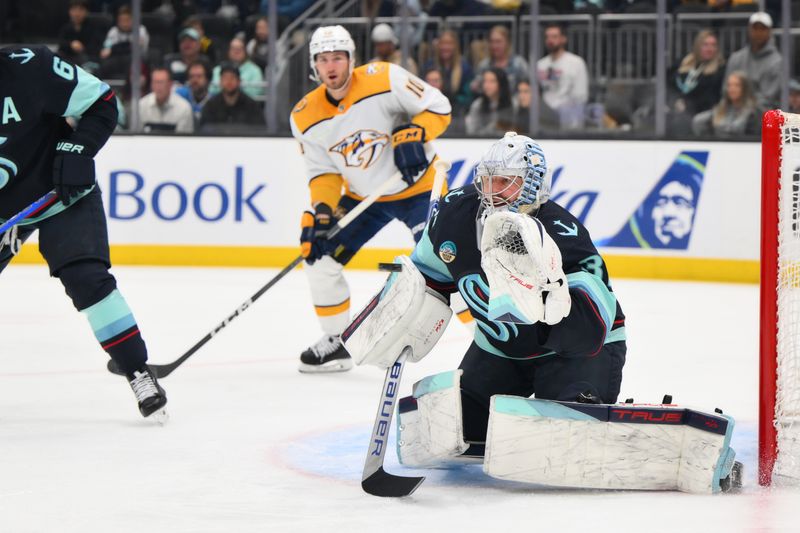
(351, 139)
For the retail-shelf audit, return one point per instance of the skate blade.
(159, 417)
(337, 365)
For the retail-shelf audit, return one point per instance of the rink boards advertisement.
(655, 209)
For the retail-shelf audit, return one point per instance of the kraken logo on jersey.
(8, 169)
(362, 148)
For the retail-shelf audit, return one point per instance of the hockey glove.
(408, 142)
(314, 232)
(73, 172)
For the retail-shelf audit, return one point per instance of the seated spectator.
(189, 51)
(760, 61)
(490, 113)
(435, 79)
(196, 89)
(696, 82)
(500, 56)
(258, 46)
(521, 104)
(231, 107)
(385, 42)
(207, 46)
(251, 75)
(162, 110)
(794, 96)
(456, 71)
(564, 79)
(116, 51)
(617, 118)
(735, 115)
(78, 40)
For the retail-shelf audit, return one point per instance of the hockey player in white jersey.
(361, 127)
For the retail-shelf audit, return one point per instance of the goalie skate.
(327, 355)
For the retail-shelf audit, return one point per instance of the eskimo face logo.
(673, 212)
(362, 148)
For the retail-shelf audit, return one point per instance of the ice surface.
(253, 445)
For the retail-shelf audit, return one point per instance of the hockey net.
(779, 426)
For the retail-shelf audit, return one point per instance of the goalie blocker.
(404, 314)
(574, 445)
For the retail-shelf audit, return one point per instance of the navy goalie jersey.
(449, 257)
(38, 90)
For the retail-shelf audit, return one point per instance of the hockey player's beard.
(338, 89)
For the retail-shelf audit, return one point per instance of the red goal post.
(779, 380)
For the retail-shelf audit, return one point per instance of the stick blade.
(382, 483)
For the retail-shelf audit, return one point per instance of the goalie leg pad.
(608, 446)
(429, 423)
(404, 313)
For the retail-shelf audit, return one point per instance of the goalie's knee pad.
(623, 446)
(405, 313)
(430, 428)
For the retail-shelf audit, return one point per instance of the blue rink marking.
(339, 454)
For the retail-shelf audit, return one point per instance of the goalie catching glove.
(523, 266)
(404, 313)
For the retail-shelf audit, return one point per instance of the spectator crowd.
(198, 81)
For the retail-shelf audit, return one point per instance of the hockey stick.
(375, 480)
(28, 211)
(162, 371)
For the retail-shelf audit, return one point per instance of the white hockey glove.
(404, 313)
(523, 267)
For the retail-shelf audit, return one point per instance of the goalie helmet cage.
(779, 380)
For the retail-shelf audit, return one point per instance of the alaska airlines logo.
(362, 148)
(665, 218)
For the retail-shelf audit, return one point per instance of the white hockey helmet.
(330, 39)
(516, 155)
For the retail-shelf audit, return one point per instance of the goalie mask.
(330, 39)
(513, 174)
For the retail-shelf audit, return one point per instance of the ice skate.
(327, 355)
(149, 394)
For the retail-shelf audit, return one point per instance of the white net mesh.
(787, 401)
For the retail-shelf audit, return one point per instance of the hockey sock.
(117, 332)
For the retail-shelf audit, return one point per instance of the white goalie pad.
(523, 267)
(404, 313)
(625, 446)
(429, 423)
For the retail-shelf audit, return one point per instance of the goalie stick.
(375, 480)
(162, 371)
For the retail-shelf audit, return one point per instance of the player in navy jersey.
(40, 152)
(572, 345)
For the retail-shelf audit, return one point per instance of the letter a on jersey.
(10, 111)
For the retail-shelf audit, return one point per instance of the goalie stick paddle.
(375, 480)
(162, 371)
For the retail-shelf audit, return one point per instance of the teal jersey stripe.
(427, 262)
(85, 93)
(616, 335)
(598, 292)
(110, 316)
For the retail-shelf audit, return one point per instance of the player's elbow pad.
(405, 313)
